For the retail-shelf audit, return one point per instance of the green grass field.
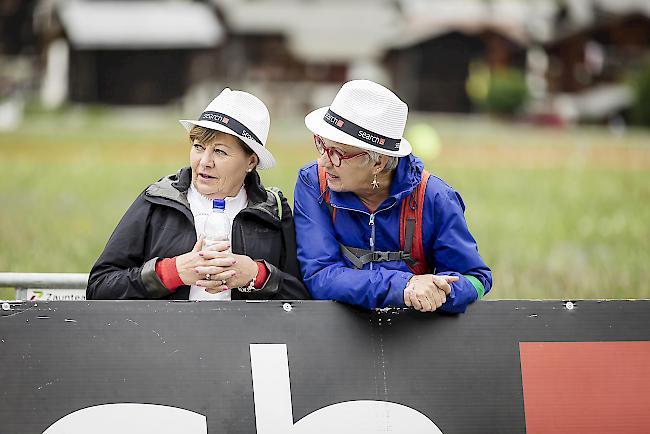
(557, 213)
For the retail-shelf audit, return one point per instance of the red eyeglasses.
(335, 156)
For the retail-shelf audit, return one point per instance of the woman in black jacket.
(157, 252)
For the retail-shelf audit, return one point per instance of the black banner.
(316, 367)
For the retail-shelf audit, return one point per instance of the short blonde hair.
(206, 135)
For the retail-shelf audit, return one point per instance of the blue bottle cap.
(218, 204)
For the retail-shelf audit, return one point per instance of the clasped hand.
(225, 269)
(427, 292)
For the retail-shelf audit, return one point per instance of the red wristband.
(168, 274)
(262, 274)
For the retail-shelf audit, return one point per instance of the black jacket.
(159, 224)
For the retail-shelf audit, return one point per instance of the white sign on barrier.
(51, 294)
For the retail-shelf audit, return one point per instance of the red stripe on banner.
(586, 387)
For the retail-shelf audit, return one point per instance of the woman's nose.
(324, 160)
(206, 159)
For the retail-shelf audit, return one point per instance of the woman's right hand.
(187, 264)
(427, 292)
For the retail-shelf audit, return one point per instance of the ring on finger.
(223, 282)
(207, 277)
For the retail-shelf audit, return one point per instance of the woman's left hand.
(427, 292)
(239, 274)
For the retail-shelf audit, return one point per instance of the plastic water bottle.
(217, 225)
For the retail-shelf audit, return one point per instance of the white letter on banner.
(274, 413)
(130, 419)
(271, 388)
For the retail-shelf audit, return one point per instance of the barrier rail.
(46, 286)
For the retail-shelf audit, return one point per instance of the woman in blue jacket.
(373, 229)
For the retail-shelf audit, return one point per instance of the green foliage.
(641, 89)
(507, 92)
(502, 91)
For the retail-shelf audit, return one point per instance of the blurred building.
(125, 52)
(419, 78)
(18, 66)
(295, 53)
(304, 49)
(430, 60)
(16, 27)
(594, 47)
(320, 44)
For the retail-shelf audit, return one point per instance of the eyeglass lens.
(333, 155)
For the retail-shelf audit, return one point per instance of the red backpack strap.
(411, 221)
(322, 184)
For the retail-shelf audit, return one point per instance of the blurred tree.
(641, 88)
(501, 91)
(478, 83)
(507, 92)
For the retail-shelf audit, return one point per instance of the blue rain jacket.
(449, 247)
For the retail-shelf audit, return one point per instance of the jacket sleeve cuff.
(398, 284)
(262, 275)
(150, 280)
(271, 287)
(168, 274)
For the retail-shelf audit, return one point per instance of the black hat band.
(231, 123)
(354, 130)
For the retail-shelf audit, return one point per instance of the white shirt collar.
(202, 205)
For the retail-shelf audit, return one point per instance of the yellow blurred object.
(478, 82)
(424, 140)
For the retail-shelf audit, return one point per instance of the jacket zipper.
(371, 223)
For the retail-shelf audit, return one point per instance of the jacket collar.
(406, 178)
(174, 188)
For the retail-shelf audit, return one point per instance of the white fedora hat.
(242, 115)
(366, 115)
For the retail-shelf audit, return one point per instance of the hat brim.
(266, 158)
(315, 123)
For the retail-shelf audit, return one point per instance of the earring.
(249, 170)
(374, 183)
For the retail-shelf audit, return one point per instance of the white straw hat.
(242, 115)
(366, 115)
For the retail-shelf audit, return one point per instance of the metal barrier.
(46, 286)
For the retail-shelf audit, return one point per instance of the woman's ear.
(253, 161)
(380, 164)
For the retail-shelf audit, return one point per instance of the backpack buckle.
(380, 256)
